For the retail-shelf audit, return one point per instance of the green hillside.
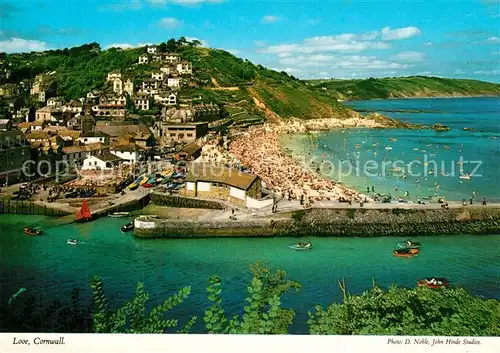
(218, 77)
(404, 87)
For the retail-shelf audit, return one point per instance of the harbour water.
(414, 163)
(49, 268)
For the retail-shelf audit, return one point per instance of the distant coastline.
(419, 97)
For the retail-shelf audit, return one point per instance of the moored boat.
(119, 214)
(72, 242)
(128, 227)
(408, 244)
(32, 231)
(301, 246)
(433, 282)
(405, 252)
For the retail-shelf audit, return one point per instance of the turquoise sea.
(417, 163)
(49, 268)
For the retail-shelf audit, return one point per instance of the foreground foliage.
(401, 311)
(395, 311)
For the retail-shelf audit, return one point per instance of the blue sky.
(307, 38)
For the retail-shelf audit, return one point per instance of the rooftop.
(232, 177)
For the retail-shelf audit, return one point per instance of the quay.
(340, 221)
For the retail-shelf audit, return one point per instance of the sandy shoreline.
(259, 149)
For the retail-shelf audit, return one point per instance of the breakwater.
(333, 222)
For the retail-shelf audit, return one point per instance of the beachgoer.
(367, 189)
(464, 203)
(373, 188)
(471, 201)
(484, 201)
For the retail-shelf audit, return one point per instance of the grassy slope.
(404, 87)
(254, 90)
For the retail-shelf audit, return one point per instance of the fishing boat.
(72, 242)
(433, 282)
(144, 180)
(408, 244)
(133, 186)
(84, 215)
(32, 231)
(128, 227)
(301, 246)
(392, 139)
(406, 252)
(119, 214)
(466, 176)
(388, 148)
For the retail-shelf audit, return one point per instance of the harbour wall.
(333, 222)
(29, 208)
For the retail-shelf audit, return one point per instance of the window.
(189, 134)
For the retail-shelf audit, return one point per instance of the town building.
(143, 59)
(129, 152)
(54, 102)
(139, 134)
(152, 49)
(174, 82)
(189, 153)
(158, 75)
(166, 98)
(184, 67)
(141, 101)
(114, 75)
(47, 114)
(15, 151)
(103, 161)
(94, 137)
(204, 180)
(75, 155)
(186, 132)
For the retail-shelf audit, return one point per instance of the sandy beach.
(259, 150)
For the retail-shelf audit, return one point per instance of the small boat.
(408, 244)
(392, 139)
(301, 246)
(388, 148)
(133, 186)
(466, 176)
(72, 242)
(32, 231)
(147, 185)
(433, 282)
(406, 252)
(119, 214)
(128, 227)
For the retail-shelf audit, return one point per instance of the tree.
(132, 316)
(182, 41)
(401, 311)
(171, 45)
(263, 313)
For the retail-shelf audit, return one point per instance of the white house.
(130, 153)
(165, 69)
(75, 155)
(158, 75)
(128, 87)
(141, 101)
(104, 161)
(94, 137)
(143, 59)
(152, 49)
(118, 85)
(184, 67)
(166, 99)
(74, 107)
(171, 57)
(174, 82)
(113, 75)
(54, 102)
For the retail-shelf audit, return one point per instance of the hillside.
(404, 87)
(247, 91)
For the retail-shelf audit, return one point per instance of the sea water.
(414, 163)
(50, 269)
